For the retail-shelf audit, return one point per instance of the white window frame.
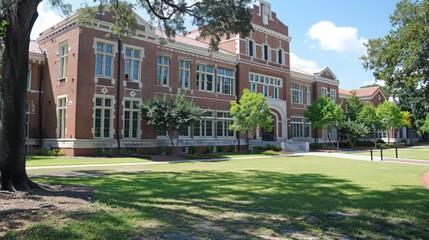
(133, 108)
(266, 90)
(27, 120)
(253, 87)
(299, 125)
(324, 92)
(225, 120)
(61, 116)
(63, 50)
(297, 95)
(163, 70)
(202, 126)
(132, 60)
(104, 56)
(102, 121)
(282, 57)
(185, 73)
(308, 95)
(203, 77)
(248, 41)
(266, 53)
(29, 77)
(276, 93)
(221, 78)
(333, 95)
(266, 81)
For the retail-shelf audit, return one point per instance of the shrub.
(231, 148)
(316, 145)
(192, 150)
(208, 150)
(380, 141)
(345, 144)
(381, 145)
(273, 148)
(219, 149)
(198, 156)
(166, 150)
(46, 152)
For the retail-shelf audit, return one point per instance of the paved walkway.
(365, 158)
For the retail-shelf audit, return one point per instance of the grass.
(417, 153)
(37, 161)
(278, 197)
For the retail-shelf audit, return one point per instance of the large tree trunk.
(21, 15)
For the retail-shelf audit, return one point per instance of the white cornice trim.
(271, 32)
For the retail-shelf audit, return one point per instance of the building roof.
(34, 47)
(361, 92)
(188, 41)
(366, 92)
(344, 92)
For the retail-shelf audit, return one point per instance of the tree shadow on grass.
(246, 205)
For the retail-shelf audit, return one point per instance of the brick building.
(85, 88)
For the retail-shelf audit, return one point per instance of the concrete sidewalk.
(365, 158)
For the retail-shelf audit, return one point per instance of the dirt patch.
(20, 208)
(425, 179)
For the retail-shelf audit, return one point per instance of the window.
(27, 120)
(104, 60)
(61, 117)
(308, 95)
(333, 95)
(161, 131)
(225, 81)
(276, 93)
(63, 58)
(163, 70)
(297, 93)
(29, 77)
(205, 76)
(253, 87)
(205, 128)
(300, 128)
(103, 117)
(132, 64)
(184, 132)
(250, 48)
(380, 134)
(267, 52)
(184, 73)
(223, 121)
(131, 118)
(324, 92)
(280, 56)
(265, 91)
(266, 82)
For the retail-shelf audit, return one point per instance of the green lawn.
(37, 161)
(417, 153)
(269, 198)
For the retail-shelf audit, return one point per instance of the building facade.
(86, 88)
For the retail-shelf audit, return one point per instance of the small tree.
(354, 106)
(249, 113)
(391, 117)
(325, 114)
(425, 126)
(368, 117)
(354, 131)
(171, 113)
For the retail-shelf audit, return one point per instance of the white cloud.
(309, 66)
(340, 39)
(47, 18)
(379, 82)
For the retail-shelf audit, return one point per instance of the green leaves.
(401, 57)
(324, 113)
(252, 111)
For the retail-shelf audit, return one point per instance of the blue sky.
(324, 33)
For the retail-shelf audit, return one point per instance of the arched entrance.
(273, 134)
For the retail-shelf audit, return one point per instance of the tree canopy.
(401, 58)
(391, 117)
(354, 106)
(171, 113)
(250, 113)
